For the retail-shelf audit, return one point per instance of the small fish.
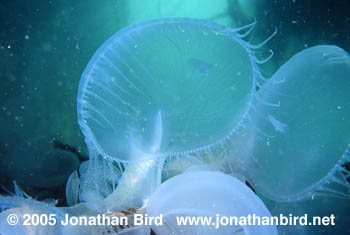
(279, 126)
(200, 65)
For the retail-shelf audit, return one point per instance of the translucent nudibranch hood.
(199, 75)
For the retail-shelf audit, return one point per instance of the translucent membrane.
(302, 128)
(162, 89)
(72, 189)
(201, 193)
(199, 75)
(98, 179)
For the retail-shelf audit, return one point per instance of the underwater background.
(46, 45)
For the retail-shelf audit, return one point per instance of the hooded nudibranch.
(167, 88)
(303, 143)
(205, 193)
